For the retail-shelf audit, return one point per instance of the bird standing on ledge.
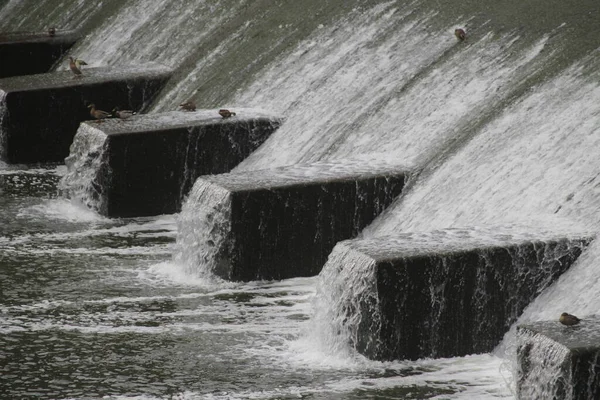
(568, 319)
(188, 106)
(122, 114)
(460, 34)
(98, 114)
(75, 66)
(225, 113)
(52, 32)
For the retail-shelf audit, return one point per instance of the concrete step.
(28, 53)
(146, 164)
(40, 114)
(283, 222)
(445, 293)
(557, 361)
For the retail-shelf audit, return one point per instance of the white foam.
(60, 209)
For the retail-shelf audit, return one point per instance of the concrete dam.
(389, 211)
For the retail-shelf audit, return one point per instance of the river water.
(96, 308)
(502, 127)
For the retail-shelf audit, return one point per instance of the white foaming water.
(182, 90)
(547, 363)
(203, 228)
(61, 209)
(359, 84)
(65, 14)
(529, 166)
(163, 31)
(341, 296)
(83, 164)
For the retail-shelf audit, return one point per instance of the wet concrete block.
(285, 221)
(453, 292)
(28, 53)
(148, 163)
(557, 361)
(40, 114)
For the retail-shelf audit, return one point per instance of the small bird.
(188, 106)
(98, 114)
(226, 113)
(52, 32)
(568, 319)
(460, 34)
(122, 114)
(75, 65)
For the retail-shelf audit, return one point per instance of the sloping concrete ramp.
(28, 53)
(146, 164)
(557, 361)
(283, 222)
(40, 114)
(444, 293)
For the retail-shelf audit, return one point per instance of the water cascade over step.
(439, 294)
(146, 164)
(26, 53)
(283, 222)
(559, 362)
(41, 112)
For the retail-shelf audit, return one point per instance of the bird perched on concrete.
(75, 65)
(568, 319)
(188, 106)
(52, 32)
(122, 114)
(460, 34)
(225, 113)
(98, 114)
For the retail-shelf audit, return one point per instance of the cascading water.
(546, 371)
(398, 115)
(503, 126)
(83, 163)
(203, 228)
(346, 293)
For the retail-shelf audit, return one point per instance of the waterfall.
(543, 374)
(504, 127)
(80, 183)
(203, 229)
(422, 94)
(346, 293)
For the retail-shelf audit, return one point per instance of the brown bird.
(226, 113)
(52, 32)
(188, 106)
(568, 319)
(75, 65)
(98, 114)
(460, 34)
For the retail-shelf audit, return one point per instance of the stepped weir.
(443, 190)
(42, 112)
(146, 164)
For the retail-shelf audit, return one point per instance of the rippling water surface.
(96, 308)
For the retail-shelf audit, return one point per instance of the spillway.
(500, 132)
